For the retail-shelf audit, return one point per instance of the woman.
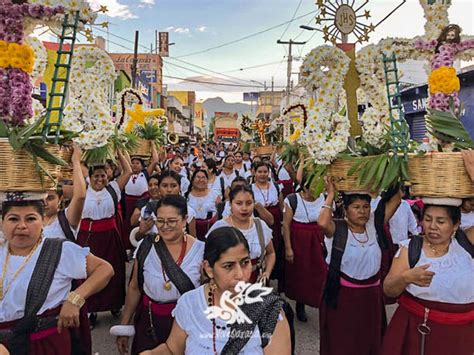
(98, 230)
(256, 232)
(36, 281)
(227, 175)
(153, 197)
(64, 223)
(177, 164)
(226, 263)
(136, 189)
(213, 182)
(203, 201)
(433, 274)
(156, 296)
(305, 268)
(168, 183)
(352, 314)
(268, 194)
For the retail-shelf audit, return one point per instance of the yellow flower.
(294, 136)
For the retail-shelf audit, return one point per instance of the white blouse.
(227, 178)
(227, 210)
(250, 234)
(54, 230)
(306, 212)
(190, 316)
(99, 204)
(153, 275)
(360, 261)
(267, 197)
(467, 220)
(184, 184)
(215, 186)
(203, 205)
(137, 185)
(453, 281)
(72, 266)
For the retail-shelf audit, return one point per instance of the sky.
(198, 25)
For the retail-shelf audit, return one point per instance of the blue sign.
(144, 87)
(250, 96)
(43, 90)
(150, 75)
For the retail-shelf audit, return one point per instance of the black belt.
(41, 324)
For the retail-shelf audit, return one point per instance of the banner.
(163, 39)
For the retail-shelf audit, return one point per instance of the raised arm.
(74, 212)
(325, 220)
(126, 169)
(154, 160)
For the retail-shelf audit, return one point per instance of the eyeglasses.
(170, 222)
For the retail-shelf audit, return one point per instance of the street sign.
(250, 96)
(150, 75)
(163, 39)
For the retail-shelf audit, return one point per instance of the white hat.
(442, 201)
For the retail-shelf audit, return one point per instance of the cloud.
(182, 30)
(201, 29)
(115, 9)
(144, 3)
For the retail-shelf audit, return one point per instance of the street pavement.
(307, 334)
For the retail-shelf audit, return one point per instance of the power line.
(254, 66)
(292, 19)
(211, 83)
(246, 37)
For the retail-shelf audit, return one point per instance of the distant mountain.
(217, 104)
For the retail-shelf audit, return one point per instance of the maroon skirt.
(356, 326)
(305, 277)
(288, 187)
(105, 243)
(47, 342)
(387, 259)
(403, 338)
(202, 227)
(147, 338)
(130, 203)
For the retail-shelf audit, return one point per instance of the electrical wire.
(292, 19)
(245, 37)
(211, 83)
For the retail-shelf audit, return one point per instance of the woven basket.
(18, 171)
(342, 181)
(65, 153)
(266, 150)
(439, 175)
(143, 149)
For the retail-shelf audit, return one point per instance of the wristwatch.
(75, 299)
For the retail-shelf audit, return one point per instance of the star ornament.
(103, 9)
(138, 115)
(104, 24)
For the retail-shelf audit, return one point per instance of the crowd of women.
(195, 224)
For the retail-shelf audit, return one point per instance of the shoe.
(92, 320)
(301, 313)
(116, 313)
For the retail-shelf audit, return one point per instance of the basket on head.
(18, 171)
(439, 175)
(338, 170)
(265, 150)
(143, 149)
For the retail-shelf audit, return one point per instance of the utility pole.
(290, 62)
(135, 62)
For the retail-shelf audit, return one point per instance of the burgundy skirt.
(403, 338)
(47, 342)
(288, 187)
(107, 245)
(356, 326)
(305, 277)
(145, 338)
(387, 259)
(130, 203)
(202, 227)
(276, 227)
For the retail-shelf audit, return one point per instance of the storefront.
(415, 102)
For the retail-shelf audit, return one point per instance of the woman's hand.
(289, 256)
(122, 344)
(329, 184)
(68, 317)
(419, 276)
(145, 225)
(263, 278)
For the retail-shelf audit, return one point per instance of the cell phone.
(146, 214)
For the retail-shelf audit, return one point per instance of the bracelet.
(75, 299)
(327, 206)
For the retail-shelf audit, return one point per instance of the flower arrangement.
(436, 16)
(88, 110)
(40, 54)
(327, 131)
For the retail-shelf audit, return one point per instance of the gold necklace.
(436, 252)
(17, 272)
